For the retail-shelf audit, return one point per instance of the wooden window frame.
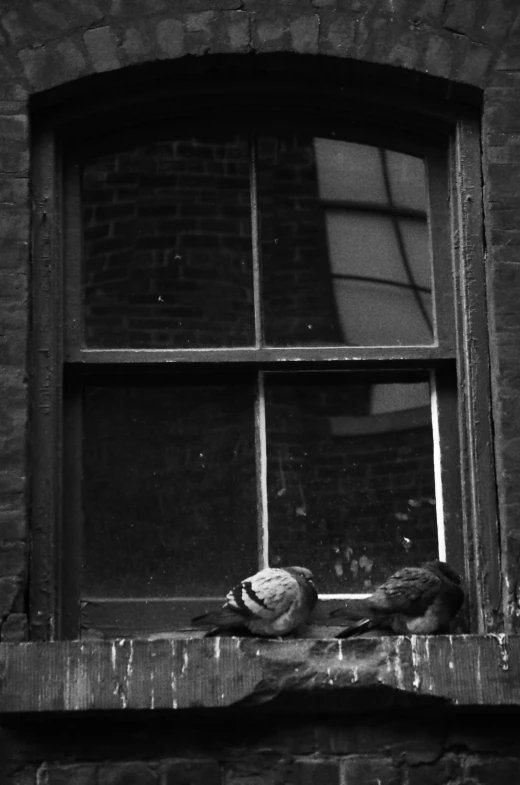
(472, 525)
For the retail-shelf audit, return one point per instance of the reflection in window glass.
(298, 297)
(169, 488)
(167, 245)
(351, 488)
(344, 244)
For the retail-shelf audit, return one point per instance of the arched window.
(261, 351)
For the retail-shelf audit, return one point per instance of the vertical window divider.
(260, 431)
(437, 469)
(261, 472)
(257, 291)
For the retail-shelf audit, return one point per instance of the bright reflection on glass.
(169, 487)
(351, 489)
(344, 244)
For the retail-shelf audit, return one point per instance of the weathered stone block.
(445, 770)
(15, 628)
(194, 772)
(14, 26)
(12, 479)
(133, 44)
(13, 524)
(509, 59)
(50, 64)
(13, 559)
(237, 30)
(86, 12)
(14, 225)
(401, 739)
(170, 37)
(12, 352)
(323, 3)
(370, 771)
(14, 254)
(13, 285)
(14, 127)
(502, 115)
(439, 55)
(337, 34)
(491, 770)
(13, 191)
(502, 181)
(316, 772)
(127, 774)
(304, 33)
(475, 65)
(102, 48)
(63, 774)
(271, 33)
(407, 52)
(73, 60)
(459, 17)
(9, 594)
(200, 23)
(265, 769)
(51, 17)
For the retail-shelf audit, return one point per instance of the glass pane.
(169, 490)
(351, 488)
(167, 245)
(344, 243)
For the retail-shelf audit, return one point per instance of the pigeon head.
(302, 572)
(444, 569)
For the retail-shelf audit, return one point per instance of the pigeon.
(415, 600)
(271, 603)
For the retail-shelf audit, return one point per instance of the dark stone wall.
(256, 749)
(55, 42)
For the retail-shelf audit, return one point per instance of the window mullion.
(261, 472)
(437, 464)
(260, 421)
(255, 247)
(446, 455)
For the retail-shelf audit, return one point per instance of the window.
(259, 357)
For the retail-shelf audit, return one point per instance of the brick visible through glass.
(167, 245)
(169, 487)
(351, 487)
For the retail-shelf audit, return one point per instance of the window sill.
(184, 673)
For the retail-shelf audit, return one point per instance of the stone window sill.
(187, 673)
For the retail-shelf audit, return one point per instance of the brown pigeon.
(415, 600)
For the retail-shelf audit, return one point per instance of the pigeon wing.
(266, 595)
(410, 591)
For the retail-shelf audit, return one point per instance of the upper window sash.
(258, 349)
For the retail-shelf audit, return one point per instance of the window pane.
(169, 487)
(344, 244)
(351, 488)
(167, 245)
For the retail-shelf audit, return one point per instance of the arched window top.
(259, 345)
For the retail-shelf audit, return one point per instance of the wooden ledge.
(464, 670)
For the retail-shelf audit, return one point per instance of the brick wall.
(51, 43)
(248, 750)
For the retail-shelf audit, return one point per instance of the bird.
(270, 603)
(414, 600)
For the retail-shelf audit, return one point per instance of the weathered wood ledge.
(182, 673)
